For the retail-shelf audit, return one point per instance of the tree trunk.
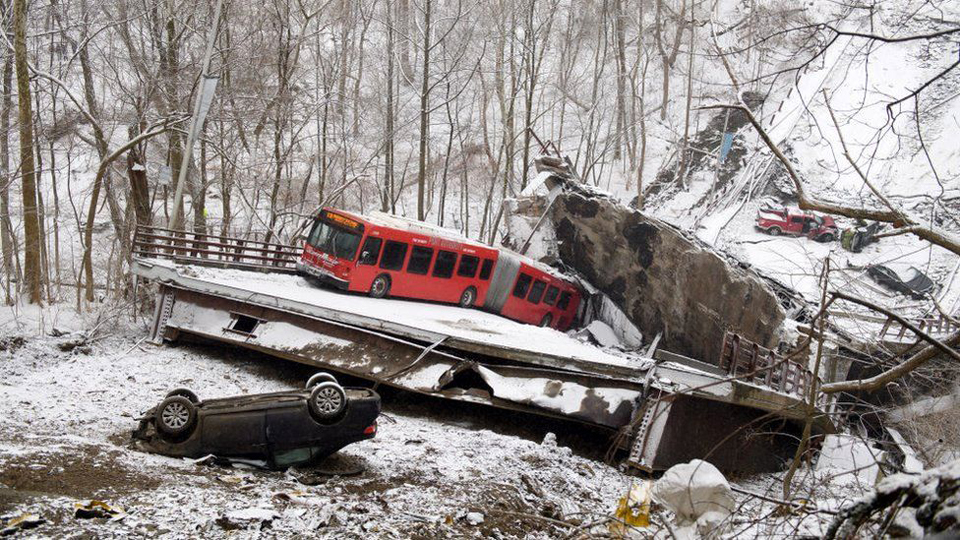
(446, 158)
(32, 271)
(620, 30)
(6, 231)
(346, 24)
(665, 98)
(388, 165)
(424, 115)
(199, 203)
(41, 208)
(137, 173)
(225, 188)
(403, 23)
(169, 74)
(684, 152)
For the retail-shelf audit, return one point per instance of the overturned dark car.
(280, 428)
(911, 282)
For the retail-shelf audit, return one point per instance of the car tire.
(185, 392)
(546, 320)
(176, 417)
(826, 238)
(468, 297)
(380, 287)
(318, 378)
(327, 402)
(774, 231)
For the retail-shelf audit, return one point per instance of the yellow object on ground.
(633, 510)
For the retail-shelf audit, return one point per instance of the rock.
(662, 279)
(550, 439)
(698, 495)
(244, 518)
(474, 518)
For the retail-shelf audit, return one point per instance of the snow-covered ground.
(65, 419)
(67, 408)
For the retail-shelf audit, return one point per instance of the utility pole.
(208, 86)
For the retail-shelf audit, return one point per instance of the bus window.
(536, 292)
(486, 269)
(334, 240)
(371, 250)
(419, 260)
(446, 260)
(523, 284)
(468, 266)
(564, 300)
(393, 255)
(551, 296)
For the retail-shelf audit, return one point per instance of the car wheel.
(774, 231)
(546, 320)
(826, 238)
(468, 297)
(327, 401)
(380, 287)
(176, 416)
(318, 378)
(185, 392)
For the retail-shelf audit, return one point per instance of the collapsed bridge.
(663, 409)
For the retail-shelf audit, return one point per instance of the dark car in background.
(280, 428)
(911, 282)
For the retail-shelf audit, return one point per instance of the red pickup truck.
(793, 221)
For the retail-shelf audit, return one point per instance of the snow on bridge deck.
(469, 329)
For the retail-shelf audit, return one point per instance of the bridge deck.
(471, 355)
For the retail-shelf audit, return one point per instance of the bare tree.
(668, 50)
(10, 258)
(32, 272)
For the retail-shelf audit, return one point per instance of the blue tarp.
(725, 146)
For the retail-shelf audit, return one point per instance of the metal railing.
(203, 249)
(931, 325)
(742, 358)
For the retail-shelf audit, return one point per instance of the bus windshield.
(333, 240)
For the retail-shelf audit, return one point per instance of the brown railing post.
(771, 362)
(754, 353)
(735, 355)
(886, 328)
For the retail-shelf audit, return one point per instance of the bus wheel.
(546, 320)
(468, 297)
(380, 286)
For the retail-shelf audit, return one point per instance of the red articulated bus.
(384, 255)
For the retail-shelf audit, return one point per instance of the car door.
(289, 425)
(795, 225)
(234, 432)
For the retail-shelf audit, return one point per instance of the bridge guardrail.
(204, 249)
